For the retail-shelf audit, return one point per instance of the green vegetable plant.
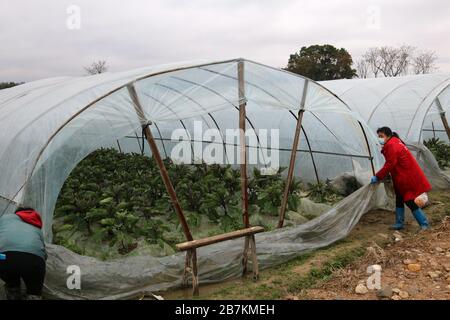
(323, 192)
(440, 150)
(118, 201)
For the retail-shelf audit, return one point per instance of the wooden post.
(368, 148)
(443, 118)
(255, 264)
(191, 255)
(249, 244)
(250, 248)
(218, 238)
(242, 144)
(295, 144)
(432, 128)
(291, 169)
(446, 125)
(162, 168)
(190, 268)
(195, 290)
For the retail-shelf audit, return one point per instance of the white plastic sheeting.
(48, 126)
(409, 104)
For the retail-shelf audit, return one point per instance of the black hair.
(23, 209)
(389, 133)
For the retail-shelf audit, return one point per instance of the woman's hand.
(373, 180)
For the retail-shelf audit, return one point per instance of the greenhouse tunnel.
(414, 106)
(72, 117)
(49, 126)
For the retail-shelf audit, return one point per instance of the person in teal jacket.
(23, 253)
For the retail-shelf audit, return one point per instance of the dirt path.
(335, 271)
(415, 267)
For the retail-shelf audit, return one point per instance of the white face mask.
(381, 141)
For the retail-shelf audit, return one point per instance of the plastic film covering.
(32, 114)
(412, 106)
(50, 126)
(402, 103)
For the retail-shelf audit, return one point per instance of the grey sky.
(36, 43)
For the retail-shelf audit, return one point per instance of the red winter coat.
(409, 179)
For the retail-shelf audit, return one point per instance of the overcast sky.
(41, 38)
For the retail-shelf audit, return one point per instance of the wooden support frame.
(432, 128)
(295, 145)
(368, 148)
(194, 244)
(190, 266)
(443, 117)
(191, 254)
(190, 269)
(249, 243)
(250, 249)
(162, 168)
(242, 144)
(446, 125)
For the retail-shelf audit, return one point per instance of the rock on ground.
(385, 292)
(361, 289)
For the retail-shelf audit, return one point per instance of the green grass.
(324, 273)
(282, 280)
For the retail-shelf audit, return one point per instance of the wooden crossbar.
(218, 238)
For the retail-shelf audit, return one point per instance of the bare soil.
(335, 271)
(430, 250)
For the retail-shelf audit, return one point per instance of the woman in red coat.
(409, 179)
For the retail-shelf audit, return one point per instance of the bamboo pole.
(368, 148)
(432, 127)
(243, 151)
(162, 168)
(194, 244)
(255, 263)
(291, 169)
(312, 156)
(311, 153)
(443, 118)
(195, 282)
(293, 156)
(243, 167)
(446, 125)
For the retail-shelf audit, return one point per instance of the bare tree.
(424, 62)
(389, 61)
(373, 59)
(96, 67)
(362, 68)
(396, 60)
